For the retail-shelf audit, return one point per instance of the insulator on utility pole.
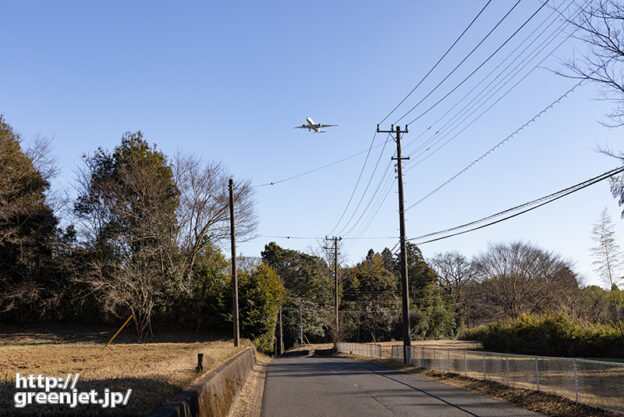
(403, 257)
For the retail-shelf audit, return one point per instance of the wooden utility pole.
(300, 325)
(335, 239)
(280, 346)
(234, 273)
(403, 259)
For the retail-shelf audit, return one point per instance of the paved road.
(311, 386)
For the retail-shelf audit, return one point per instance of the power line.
(381, 199)
(370, 201)
(461, 62)
(494, 87)
(531, 205)
(356, 184)
(366, 188)
(471, 111)
(542, 46)
(315, 237)
(500, 85)
(439, 60)
(319, 168)
(499, 144)
(476, 69)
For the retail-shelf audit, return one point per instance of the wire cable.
(365, 190)
(438, 62)
(319, 168)
(531, 205)
(461, 62)
(499, 144)
(415, 162)
(476, 69)
(494, 86)
(356, 184)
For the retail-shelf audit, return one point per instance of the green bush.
(550, 335)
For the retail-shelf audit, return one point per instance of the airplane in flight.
(316, 127)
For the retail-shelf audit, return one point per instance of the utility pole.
(403, 259)
(300, 325)
(234, 273)
(335, 239)
(280, 346)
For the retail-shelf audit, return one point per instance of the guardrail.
(360, 349)
(594, 383)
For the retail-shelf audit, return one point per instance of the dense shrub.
(551, 335)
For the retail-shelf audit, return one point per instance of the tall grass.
(551, 335)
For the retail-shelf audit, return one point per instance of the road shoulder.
(249, 401)
(546, 404)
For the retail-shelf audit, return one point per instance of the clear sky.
(228, 81)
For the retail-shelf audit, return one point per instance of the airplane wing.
(327, 125)
(302, 127)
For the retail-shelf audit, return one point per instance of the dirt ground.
(249, 401)
(155, 371)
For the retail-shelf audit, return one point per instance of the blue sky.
(228, 81)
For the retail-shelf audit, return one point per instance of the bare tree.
(133, 241)
(601, 27)
(128, 204)
(454, 271)
(518, 277)
(203, 214)
(146, 222)
(607, 253)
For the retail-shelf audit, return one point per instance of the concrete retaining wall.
(213, 394)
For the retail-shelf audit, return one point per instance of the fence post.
(484, 370)
(575, 381)
(507, 370)
(537, 374)
(434, 359)
(380, 355)
(448, 360)
(465, 365)
(422, 357)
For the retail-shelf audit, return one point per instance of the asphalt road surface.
(313, 386)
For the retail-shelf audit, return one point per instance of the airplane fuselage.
(316, 127)
(313, 126)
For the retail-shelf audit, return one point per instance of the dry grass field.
(155, 371)
(386, 347)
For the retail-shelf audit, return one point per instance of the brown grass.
(439, 344)
(386, 347)
(154, 371)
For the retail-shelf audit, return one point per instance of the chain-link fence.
(595, 383)
(360, 349)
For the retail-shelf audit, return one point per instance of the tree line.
(144, 237)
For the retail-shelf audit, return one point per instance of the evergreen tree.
(27, 232)
(308, 288)
(128, 204)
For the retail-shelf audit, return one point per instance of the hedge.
(551, 335)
